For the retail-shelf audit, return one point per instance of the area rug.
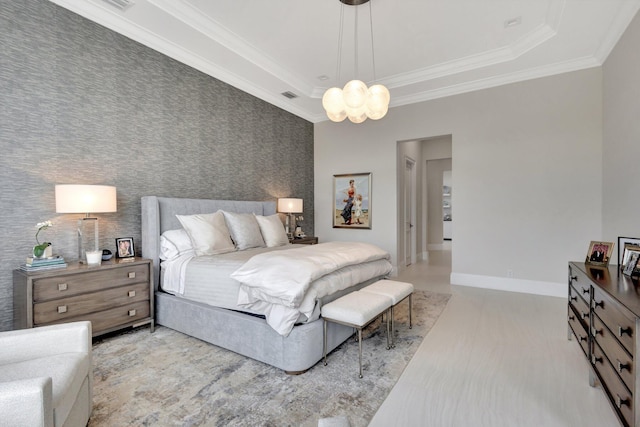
(167, 378)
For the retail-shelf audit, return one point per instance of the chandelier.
(355, 100)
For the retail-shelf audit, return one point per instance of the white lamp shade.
(85, 199)
(290, 205)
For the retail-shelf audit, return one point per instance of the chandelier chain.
(373, 56)
(339, 61)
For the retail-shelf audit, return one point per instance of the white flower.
(43, 225)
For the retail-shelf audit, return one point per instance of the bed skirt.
(249, 335)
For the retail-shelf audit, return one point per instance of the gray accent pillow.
(244, 229)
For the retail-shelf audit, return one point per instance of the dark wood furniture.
(115, 295)
(309, 240)
(604, 314)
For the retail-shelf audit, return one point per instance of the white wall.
(621, 201)
(528, 165)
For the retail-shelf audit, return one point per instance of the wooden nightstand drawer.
(114, 318)
(49, 288)
(616, 318)
(64, 308)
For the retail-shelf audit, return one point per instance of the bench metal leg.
(410, 313)
(390, 331)
(360, 349)
(324, 343)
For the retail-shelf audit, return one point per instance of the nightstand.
(115, 295)
(309, 240)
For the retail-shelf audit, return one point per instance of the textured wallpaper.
(81, 104)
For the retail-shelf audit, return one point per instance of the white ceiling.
(424, 49)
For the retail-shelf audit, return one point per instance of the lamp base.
(87, 237)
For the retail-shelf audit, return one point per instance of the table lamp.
(289, 207)
(86, 199)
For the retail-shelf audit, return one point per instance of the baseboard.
(510, 284)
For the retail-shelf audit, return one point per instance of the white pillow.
(272, 230)
(174, 243)
(244, 229)
(208, 233)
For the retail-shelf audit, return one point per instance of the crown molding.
(215, 31)
(626, 13)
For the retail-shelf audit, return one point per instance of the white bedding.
(280, 283)
(328, 269)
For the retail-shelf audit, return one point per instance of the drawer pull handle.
(132, 275)
(620, 401)
(597, 304)
(582, 338)
(595, 332)
(622, 366)
(574, 298)
(572, 278)
(132, 313)
(132, 294)
(622, 331)
(572, 317)
(585, 291)
(62, 309)
(584, 315)
(62, 286)
(595, 359)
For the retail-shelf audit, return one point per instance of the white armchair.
(46, 376)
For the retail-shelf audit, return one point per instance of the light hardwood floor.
(493, 359)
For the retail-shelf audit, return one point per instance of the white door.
(408, 212)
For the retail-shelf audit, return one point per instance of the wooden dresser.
(113, 296)
(604, 315)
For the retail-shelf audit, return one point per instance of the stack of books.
(39, 264)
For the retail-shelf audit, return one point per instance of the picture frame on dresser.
(631, 267)
(599, 253)
(626, 244)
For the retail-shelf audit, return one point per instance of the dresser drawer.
(579, 331)
(619, 357)
(616, 318)
(49, 288)
(581, 283)
(65, 308)
(620, 396)
(102, 321)
(580, 306)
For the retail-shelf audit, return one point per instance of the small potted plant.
(44, 249)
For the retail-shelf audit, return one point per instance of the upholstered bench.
(356, 309)
(397, 291)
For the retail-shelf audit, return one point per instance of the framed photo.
(631, 268)
(352, 201)
(124, 247)
(626, 244)
(599, 253)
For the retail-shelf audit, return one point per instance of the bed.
(242, 330)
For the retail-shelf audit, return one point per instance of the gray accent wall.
(81, 104)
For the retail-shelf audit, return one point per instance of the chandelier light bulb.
(377, 102)
(332, 100)
(355, 94)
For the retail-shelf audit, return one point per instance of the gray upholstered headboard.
(159, 215)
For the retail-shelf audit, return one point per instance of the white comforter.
(279, 283)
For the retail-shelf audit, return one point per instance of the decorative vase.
(41, 253)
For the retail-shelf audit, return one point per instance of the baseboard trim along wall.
(510, 285)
